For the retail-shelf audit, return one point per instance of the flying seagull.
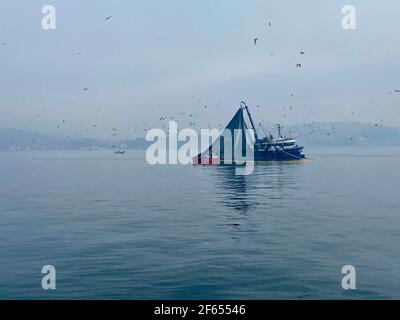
(298, 65)
(302, 52)
(108, 18)
(255, 41)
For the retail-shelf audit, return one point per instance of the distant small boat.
(119, 151)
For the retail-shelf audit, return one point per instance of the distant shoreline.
(316, 134)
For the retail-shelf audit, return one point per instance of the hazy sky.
(161, 58)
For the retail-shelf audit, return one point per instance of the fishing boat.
(119, 151)
(266, 148)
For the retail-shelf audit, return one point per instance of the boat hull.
(259, 155)
(293, 154)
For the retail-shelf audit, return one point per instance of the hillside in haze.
(316, 134)
(345, 134)
(15, 139)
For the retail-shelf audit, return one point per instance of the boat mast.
(279, 131)
(251, 119)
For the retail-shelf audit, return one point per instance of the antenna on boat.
(279, 131)
(243, 105)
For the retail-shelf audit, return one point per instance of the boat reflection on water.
(233, 189)
(270, 186)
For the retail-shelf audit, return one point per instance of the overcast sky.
(157, 58)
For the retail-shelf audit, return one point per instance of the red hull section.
(206, 161)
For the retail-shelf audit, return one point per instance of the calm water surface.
(115, 227)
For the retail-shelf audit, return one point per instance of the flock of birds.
(298, 65)
(190, 118)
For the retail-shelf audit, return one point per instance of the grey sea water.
(115, 227)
